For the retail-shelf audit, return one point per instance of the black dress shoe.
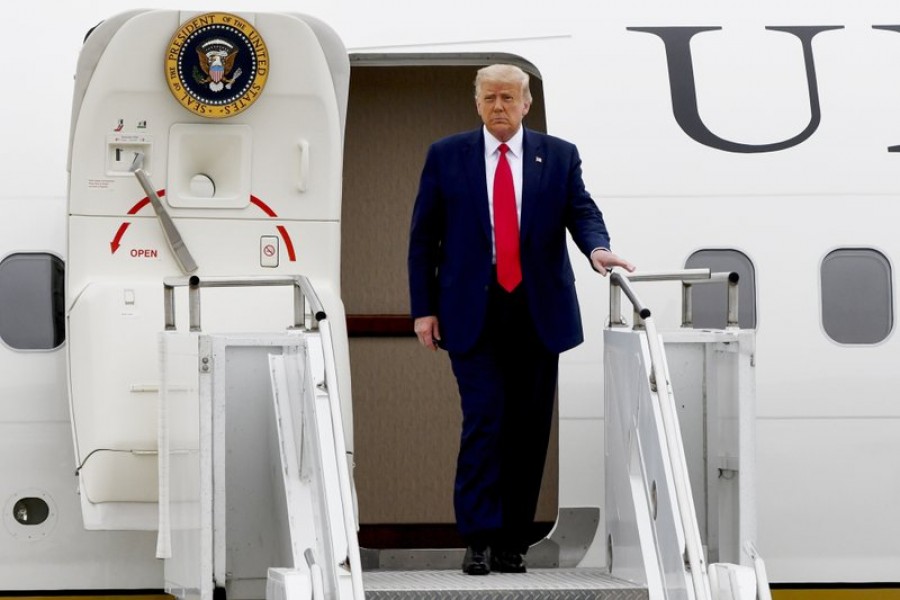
(508, 561)
(477, 561)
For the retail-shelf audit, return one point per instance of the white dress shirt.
(514, 158)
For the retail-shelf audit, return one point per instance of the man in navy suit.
(491, 283)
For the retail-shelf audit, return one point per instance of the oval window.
(32, 301)
(857, 296)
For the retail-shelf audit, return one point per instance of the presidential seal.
(216, 65)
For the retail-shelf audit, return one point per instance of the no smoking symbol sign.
(269, 251)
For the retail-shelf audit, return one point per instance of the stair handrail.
(303, 293)
(688, 279)
(671, 429)
(353, 561)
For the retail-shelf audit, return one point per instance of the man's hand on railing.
(603, 260)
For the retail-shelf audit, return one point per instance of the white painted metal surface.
(647, 438)
(644, 528)
(713, 378)
(36, 457)
(291, 504)
(113, 287)
(274, 492)
(319, 503)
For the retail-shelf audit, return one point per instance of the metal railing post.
(637, 321)
(733, 314)
(299, 308)
(304, 294)
(194, 303)
(169, 306)
(615, 303)
(687, 305)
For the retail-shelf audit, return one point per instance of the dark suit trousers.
(507, 385)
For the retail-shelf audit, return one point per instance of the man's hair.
(503, 74)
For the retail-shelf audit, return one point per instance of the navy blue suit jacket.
(450, 252)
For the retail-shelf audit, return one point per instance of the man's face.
(501, 107)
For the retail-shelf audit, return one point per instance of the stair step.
(537, 584)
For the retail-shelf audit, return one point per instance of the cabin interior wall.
(405, 401)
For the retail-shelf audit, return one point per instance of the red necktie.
(506, 225)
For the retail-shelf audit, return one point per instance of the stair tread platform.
(563, 584)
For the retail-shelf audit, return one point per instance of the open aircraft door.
(201, 144)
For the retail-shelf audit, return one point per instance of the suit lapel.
(532, 172)
(474, 167)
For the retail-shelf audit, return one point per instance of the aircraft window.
(31, 301)
(710, 301)
(857, 298)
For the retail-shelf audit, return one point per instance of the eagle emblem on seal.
(216, 57)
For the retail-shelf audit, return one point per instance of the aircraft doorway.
(405, 403)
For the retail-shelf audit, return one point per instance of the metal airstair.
(274, 512)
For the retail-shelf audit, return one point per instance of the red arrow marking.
(144, 202)
(141, 204)
(265, 207)
(114, 245)
(287, 243)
